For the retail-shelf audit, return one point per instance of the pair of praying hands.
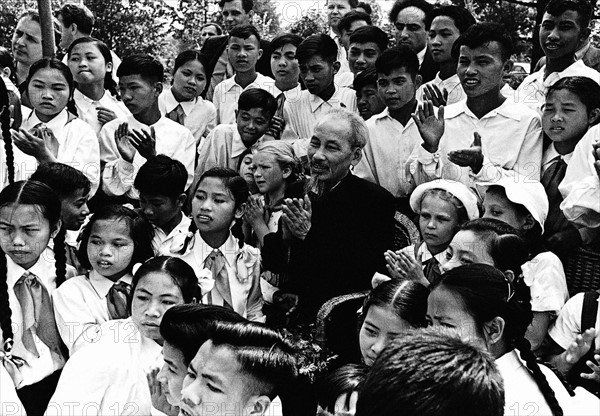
(581, 347)
(39, 142)
(130, 141)
(404, 267)
(297, 214)
(431, 128)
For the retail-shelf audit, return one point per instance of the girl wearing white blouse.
(110, 375)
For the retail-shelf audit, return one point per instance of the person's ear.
(5, 72)
(260, 52)
(56, 229)
(585, 33)
(418, 82)
(510, 275)
(258, 405)
(529, 222)
(74, 27)
(494, 330)
(356, 156)
(287, 171)
(594, 116)
(180, 200)
(109, 67)
(336, 67)
(250, 15)
(239, 212)
(158, 87)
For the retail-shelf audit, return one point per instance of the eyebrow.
(214, 379)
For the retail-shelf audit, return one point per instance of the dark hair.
(180, 272)
(109, 82)
(481, 34)
(366, 7)
(374, 34)
(319, 45)
(7, 61)
(219, 29)
(463, 19)
(582, 7)
(351, 17)
(429, 373)
(366, 77)
(63, 69)
(257, 98)
(486, 293)
(244, 32)
(146, 66)
(140, 229)
(247, 5)
(161, 175)
(423, 5)
(63, 179)
(195, 55)
(344, 380)
(39, 194)
(240, 192)
(185, 327)
(587, 90)
(6, 136)
(80, 15)
(396, 58)
(261, 352)
(284, 39)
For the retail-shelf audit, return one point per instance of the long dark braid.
(191, 231)
(5, 312)
(238, 232)
(5, 121)
(60, 256)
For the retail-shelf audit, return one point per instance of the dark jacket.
(429, 68)
(215, 45)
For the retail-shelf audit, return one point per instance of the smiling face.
(317, 74)
(480, 69)
(268, 174)
(369, 102)
(27, 42)
(564, 118)
(561, 35)
(410, 29)
(189, 81)
(74, 209)
(438, 222)
(397, 88)
(213, 207)
(110, 248)
(138, 94)
(466, 248)
(24, 233)
(285, 65)
(381, 325)
(155, 293)
(336, 9)
(87, 64)
(234, 14)
(362, 56)
(244, 53)
(252, 124)
(48, 92)
(442, 34)
(172, 373)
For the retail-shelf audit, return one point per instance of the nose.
(449, 265)
(190, 395)
(379, 345)
(105, 250)
(361, 58)
(404, 33)
(153, 309)
(556, 116)
(20, 40)
(162, 374)
(554, 34)
(309, 76)
(148, 211)
(85, 210)
(431, 224)
(17, 239)
(435, 41)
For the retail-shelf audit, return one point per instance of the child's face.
(362, 56)
(24, 233)
(110, 248)
(155, 293)
(268, 174)
(442, 34)
(138, 94)
(369, 101)
(317, 74)
(397, 88)
(438, 222)
(565, 117)
(381, 326)
(172, 373)
(215, 380)
(284, 64)
(345, 35)
(213, 207)
(466, 248)
(244, 53)
(252, 124)
(49, 93)
(247, 169)
(87, 64)
(560, 35)
(189, 80)
(74, 209)
(480, 69)
(160, 209)
(496, 205)
(27, 41)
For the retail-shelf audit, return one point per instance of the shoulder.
(370, 191)
(112, 125)
(520, 112)
(71, 286)
(214, 42)
(454, 110)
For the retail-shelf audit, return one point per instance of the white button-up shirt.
(223, 148)
(161, 243)
(567, 326)
(87, 108)
(455, 90)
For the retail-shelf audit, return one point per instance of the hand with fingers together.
(40, 143)
(297, 215)
(105, 115)
(471, 157)
(596, 154)
(431, 128)
(433, 94)
(123, 142)
(403, 266)
(145, 143)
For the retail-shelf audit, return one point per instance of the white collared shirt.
(161, 243)
(532, 91)
(35, 368)
(222, 148)
(550, 154)
(108, 377)
(228, 92)
(10, 404)
(200, 114)
(80, 306)
(342, 55)
(421, 55)
(511, 137)
(172, 139)
(344, 79)
(455, 90)
(77, 147)
(386, 155)
(245, 290)
(545, 276)
(567, 326)
(87, 108)
(425, 254)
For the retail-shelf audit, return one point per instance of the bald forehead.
(411, 14)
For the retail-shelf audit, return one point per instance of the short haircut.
(317, 45)
(63, 179)
(186, 327)
(161, 175)
(247, 5)
(244, 32)
(396, 58)
(219, 29)
(368, 77)
(78, 14)
(146, 66)
(586, 89)
(582, 7)
(351, 17)
(428, 373)
(284, 39)
(366, 6)
(370, 34)
(261, 352)
(463, 19)
(481, 34)
(359, 132)
(257, 98)
(344, 380)
(400, 5)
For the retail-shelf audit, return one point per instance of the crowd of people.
(156, 238)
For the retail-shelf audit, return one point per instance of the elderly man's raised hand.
(297, 215)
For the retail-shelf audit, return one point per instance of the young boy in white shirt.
(126, 144)
(366, 44)
(244, 51)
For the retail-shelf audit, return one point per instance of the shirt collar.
(315, 101)
(508, 363)
(103, 284)
(237, 145)
(423, 250)
(39, 269)
(421, 55)
(583, 50)
(229, 249)
(551, 153)
(171, 103)
(506, 109)
(229, 83)
(56, 124)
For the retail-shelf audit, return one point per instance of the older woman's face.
(27, 41)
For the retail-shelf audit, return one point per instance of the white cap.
(459, 190)
(524, 191)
